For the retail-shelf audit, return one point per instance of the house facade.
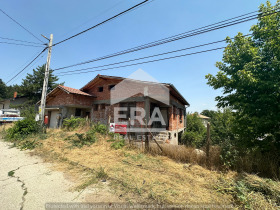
(13, 102)
(99, 99)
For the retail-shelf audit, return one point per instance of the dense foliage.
(23, 128)
(73, 123)
(195, 134)
(32, 85)
(250, 78)
(3, 90)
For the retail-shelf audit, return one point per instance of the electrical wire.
(144, 62)
(26, 45)
(101, 23)
(21, 26)
(21, 40)
(165, 53)
(27, 65)
(89, 20)
(177, 37)
(33, 64)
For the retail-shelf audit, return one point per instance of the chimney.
(15, 95)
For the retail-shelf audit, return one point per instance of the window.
(102, 106)
(100, 89)
(78, 112)
(95, 108)
(174, 113)
(181, 114)
(110, 87)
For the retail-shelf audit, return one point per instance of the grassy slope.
(138, 177)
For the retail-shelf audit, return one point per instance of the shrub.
(195, 134)
(73, 123)
(118, 144)
(28, 144)
(23, 128)
(229, 154)
(100, 128)
(80, 140)
(193, 139)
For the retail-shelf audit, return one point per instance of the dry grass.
(6, 126)
(250, 191)
(185, 154)
(135, 176)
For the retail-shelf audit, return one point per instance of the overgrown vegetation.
(249, 78)
(22, 129)
(195, 134)
(82, 139)
(73, 123)
(251, 192)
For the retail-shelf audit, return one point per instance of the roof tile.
(74, 91)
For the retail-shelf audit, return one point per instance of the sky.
(156, 20)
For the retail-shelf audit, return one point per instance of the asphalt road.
(31, 183)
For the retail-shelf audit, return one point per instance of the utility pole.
(46, 81)
(208, 146)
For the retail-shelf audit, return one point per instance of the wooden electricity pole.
(46, 81)
(208, 145)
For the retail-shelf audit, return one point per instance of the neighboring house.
(204, 119)
(5, 104)
(9, 103)
(97, 99)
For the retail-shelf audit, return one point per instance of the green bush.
(195, 134)
(23, 128)
(229, 154)
(100, 128)
(193, 139)
(118, 144)
(80, 140)
(73, 123)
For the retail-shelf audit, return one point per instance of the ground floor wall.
(104, 113)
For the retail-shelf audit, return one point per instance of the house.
(204, 119)
(13, 102)
(5, 104)
(101, 97)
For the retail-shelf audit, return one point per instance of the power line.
(96, 16)
(165, 53)
(101, 23)
(21, 66)
(34, 63)
(21, 40)
(20, 25)
(27, 65)
(27, 45)
(187, 34)
(144, 62)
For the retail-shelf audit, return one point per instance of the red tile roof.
(74, 91)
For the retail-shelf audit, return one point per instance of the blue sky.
(159, 19)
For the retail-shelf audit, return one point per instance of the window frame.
(100, 89)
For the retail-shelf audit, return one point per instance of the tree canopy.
(250, 78)
(32, 85)
(3, 90)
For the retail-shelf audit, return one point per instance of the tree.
(195, 134)
(250, 78)
(3, 90)
(208, 113)
(222, 123)
(32, 85)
